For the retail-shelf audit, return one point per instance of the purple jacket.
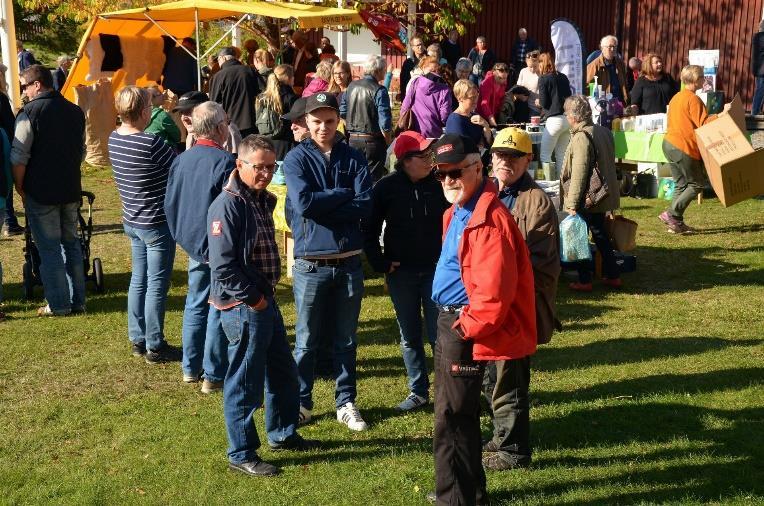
(432, 104)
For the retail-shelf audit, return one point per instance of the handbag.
(597, 189)
(407, 120)
(622, 232)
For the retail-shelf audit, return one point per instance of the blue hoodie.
(326, 201)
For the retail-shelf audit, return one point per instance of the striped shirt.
(141, 163)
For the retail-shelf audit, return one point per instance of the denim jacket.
(326, 201)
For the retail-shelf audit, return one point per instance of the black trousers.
(375, 150)
(459, 474)
(505, 386)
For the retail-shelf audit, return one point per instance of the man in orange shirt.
(686, 112)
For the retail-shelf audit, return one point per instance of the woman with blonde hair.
(141, 163)
(263, 62)
(272, 104)
(464, 120)
(686, 112)
(342, 76)
(320, 81)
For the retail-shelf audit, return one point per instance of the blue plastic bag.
(574, 239)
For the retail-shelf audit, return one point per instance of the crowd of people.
(471, 260)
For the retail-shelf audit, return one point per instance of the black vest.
(53, 171)
(362, 116)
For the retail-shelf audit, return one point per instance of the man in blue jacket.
(328, 194)
(196, 179)
(245, 265)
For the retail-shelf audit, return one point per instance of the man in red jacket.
(483, 287)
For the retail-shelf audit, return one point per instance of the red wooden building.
(669, 27)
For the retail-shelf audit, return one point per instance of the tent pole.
(156, 23)
(230, 30)
(198, 61)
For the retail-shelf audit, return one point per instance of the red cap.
(410, 142)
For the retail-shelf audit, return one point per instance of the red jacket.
(497, 274)
(491, 96)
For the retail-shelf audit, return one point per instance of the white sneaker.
(350, 416)
(413, 401)
(304, 416)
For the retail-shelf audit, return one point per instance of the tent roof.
(307, 16)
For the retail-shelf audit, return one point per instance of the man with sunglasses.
(48, 149)
(245, 267)
(410, 203)
(483, 287)
(506, 381)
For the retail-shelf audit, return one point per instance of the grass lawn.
(650, 395)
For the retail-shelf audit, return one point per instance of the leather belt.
(450, 308)
(367, 136)
(324, 262)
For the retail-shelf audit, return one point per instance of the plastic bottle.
(616, 125)
(596, 89)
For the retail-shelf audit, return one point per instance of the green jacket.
(162, 125)
(576, 162)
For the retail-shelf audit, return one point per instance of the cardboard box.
(735, 169)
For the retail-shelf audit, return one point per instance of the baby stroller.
(31, 271)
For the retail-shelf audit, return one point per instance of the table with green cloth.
(639, 146)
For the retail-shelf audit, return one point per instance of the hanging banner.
(386, 28)
(568, 43)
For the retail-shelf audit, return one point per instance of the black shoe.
(164, 354)
(490, 447)
(139, 350)
(296, 443)
(255, 468)
(496, 463)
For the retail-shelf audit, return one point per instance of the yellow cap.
(512, 140)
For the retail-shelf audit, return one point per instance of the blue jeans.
(2, 218)
(204, 343)
(54, 228)
(758, 96)
(411, 293)
(259, 357)
(9, 214)
(153, 253)
(334, 293)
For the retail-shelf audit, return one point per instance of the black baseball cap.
(189, 100)
(320, 101)
(453, 148)
(297, 111)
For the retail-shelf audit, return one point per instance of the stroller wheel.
(28, 284)
(98, 273)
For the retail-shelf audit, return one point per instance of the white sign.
(569, 53)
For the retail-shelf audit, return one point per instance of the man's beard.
(454, 195)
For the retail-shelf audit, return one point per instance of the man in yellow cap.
(506, 381)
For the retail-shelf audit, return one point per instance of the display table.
(639, 146)
(279, 221)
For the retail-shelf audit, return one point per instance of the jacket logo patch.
(465, 369)
(321, 98)
(445, 148)
(217, 228)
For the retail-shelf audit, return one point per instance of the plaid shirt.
(265, 255)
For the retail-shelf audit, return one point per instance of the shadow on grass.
(731, 439)
(342, 450)
(628, 350)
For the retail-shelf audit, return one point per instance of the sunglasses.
(457, 173)
(262, 169)
(23, 86)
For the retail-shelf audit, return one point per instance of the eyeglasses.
(262, 169)
(424, 155)
(340, 73)
(508, 157)
(23, 86)
(609, 47)
(501, 69)
(457, 173)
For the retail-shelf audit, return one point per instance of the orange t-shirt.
(686, 112)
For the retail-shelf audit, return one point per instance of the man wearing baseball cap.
(506, 382)
(328, 194)
(410, 203)
(185, 107)
(483, 287)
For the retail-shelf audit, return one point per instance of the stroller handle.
(88, 195)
